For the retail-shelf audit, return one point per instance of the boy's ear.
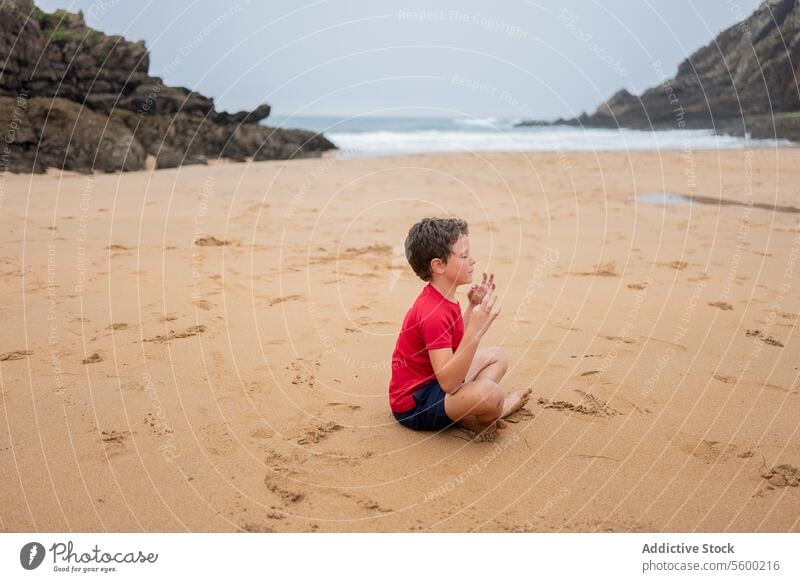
(437, 266)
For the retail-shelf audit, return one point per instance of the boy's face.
(458, 269)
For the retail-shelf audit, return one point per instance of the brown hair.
(432, 238)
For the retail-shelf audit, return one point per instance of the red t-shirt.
(433, 322)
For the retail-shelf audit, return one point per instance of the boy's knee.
(491, 395)
(501, 357)
(495, 354)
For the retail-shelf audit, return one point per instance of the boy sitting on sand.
(439, 377)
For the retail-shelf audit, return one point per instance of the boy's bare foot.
(514, 401)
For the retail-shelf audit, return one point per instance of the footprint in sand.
(371, 505)
(374, 251)
(722, 305)
(677, 265)
(275, 514)
(725, 379)
(164, 317)
(250, 527)
(262, 433)
(156, 426)
(203, 304)
(93, 359)
(114, 442)
(366, 321)
(601, 270)
(303, 372)
(767, 339)
(210, 241)
(257, 207)
(782, 476)
(317, 434)
(781, 388)
(285, 495)
(619, 339)
(639, 286)
(134, 386)
(188, 332)
(18, 355)
(118, 326)
(283, 299)
(219, 440)
(708, 451)
(376, 248)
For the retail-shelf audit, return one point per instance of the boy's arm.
(451, 368)
(467, 312)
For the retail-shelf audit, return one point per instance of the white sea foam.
(375, 136)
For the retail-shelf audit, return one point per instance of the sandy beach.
(208, 348)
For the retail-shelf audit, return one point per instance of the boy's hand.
(478, 291)
(483, 315)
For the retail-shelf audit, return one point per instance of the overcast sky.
(511, 58)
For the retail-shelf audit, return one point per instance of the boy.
(439, 377)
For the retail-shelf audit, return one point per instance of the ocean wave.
(557, 138)
(486, 122)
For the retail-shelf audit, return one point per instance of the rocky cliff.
(74, 98)
(744, 81)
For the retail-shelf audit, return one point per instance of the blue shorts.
(429, 413)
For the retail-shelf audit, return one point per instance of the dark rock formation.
(74, 98)
(745, 81)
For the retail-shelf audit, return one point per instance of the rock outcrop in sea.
(746, 81)
(76, 99)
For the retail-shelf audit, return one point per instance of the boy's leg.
(481, 399)
(488, 363)
(491, 364)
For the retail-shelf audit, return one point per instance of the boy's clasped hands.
(478, 291)
(482, 297)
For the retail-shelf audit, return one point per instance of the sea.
(366, 136)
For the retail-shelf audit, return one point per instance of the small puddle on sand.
(665, 198)
(670, 199)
